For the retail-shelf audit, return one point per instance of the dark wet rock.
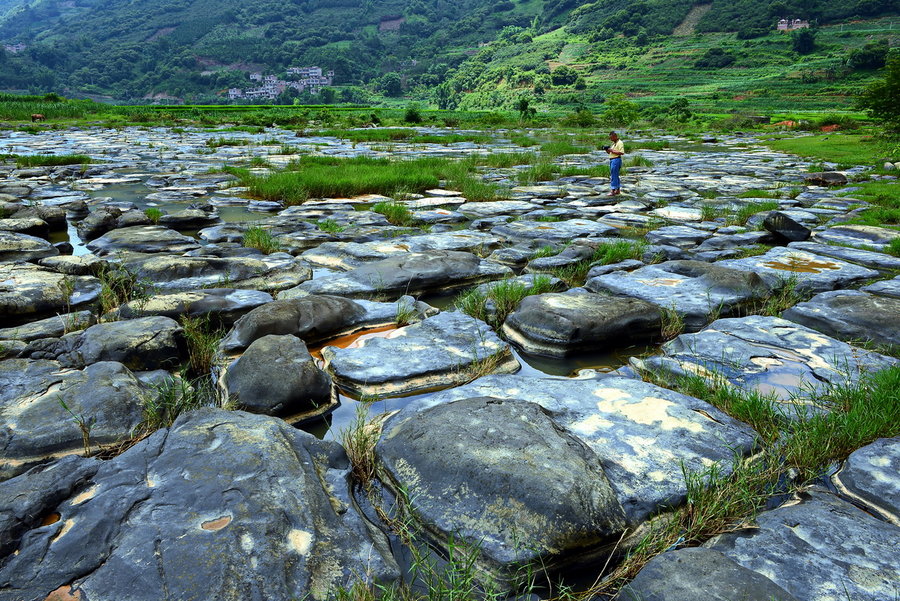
(559, 231)
(570, 255)
(143, 343)
(104, 219)
(31, 292)
(865, 258)
(30, 226)
(224, 306)
(268, 273)
(54, 217)
(786, 228)
(445, 350)
(640, 432)
(681, 236)
(276, 375)
(694, 289)
(655, 253)
(626, 265)
(559, 325)
(223, 505)
(51, 327)
(858, 235)
(35, 426)
(698, 573)
(870, 479)
(819, 548)
(413, 273)
(733, 241)
(884, 288)
(80, 265)
(142, 239)
(826, 178)
(520, 489)
(812, 272)
(317, 318)
(190, 219)
(22, 247)
(850, 315)
(347, 255)
(767, 354)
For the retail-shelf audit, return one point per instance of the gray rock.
(869, 478)
(861, 235)
(414, 274)
(697, 573)
(568, 256)
(819, 548)
(276, 375)
(866, 258)
(223, 505)
(640, 432)
(80, 265)
(850, 315)
(224, 305)
(51, 327)
(767, 354)
(826, 178)
(681, 236)
(104, 219)
(787, 229)
(142, 239)
(626, 265)
(22, 247)
(140, 344)
(559, 231)
(36, 427)
(445, 350)
(696, 290)
(31, 292)
(884, 288)
(813, 273)
(501, 477)
(559, 325)
(733, 241)
(190, 219)
(30, 226)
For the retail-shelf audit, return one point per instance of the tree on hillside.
(804, 41)
(391, 84)
(871, 56)
(882, 98)
(620, 111)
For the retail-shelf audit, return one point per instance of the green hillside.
(466, 53)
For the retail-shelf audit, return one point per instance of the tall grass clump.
(171, 398)
(499, 299)
(605, 253)
(743, 214)
(396, 213)
(52, 160)
(260, 239)
(202, 339)
(118, 286)
(557, 148)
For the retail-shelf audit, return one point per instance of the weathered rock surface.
(866, 258)
(697, 573)
(34, 425)
(445, 350)
(22, 247)
(276, 375)
(826, 178)
(142, 239)
(850, 315)
(640, 432)
(860, 235)
(223, 305)
(413, 274)
(559, 231)
(767, 354)
(869, 478)
(104, 219)
(820, 548)
(144, 343)
(31, 292)
(51, 327)
(578, 321)
(786, 228)
(502, 477)
(224, 505)
(694, 289)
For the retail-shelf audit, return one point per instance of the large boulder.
(858, 235)
(826, 178)
(871, 478)
(16, 247)
(144, 343)
(786, 228)
(223, 305)
(501, 477)
(413, 273)
(577, 321)
(30, 292)
(106, 397)
(276, 375)
(142, 239)
(51, 327)
(867, 258)
(850, 315)
(104, 219)
(223, 505)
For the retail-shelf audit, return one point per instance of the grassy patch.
(118, 286)
(396, 213)
(170, 399)
(743, 214)
(562, 147)
(851, 149)
(52, 160)
(605, 254)
(330, 225)
(202, 343)
(503, 298)
(894, 247)
(260, 239)
(153, 214)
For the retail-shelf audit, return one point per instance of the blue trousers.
(614, 166)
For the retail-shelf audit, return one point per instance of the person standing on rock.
(615, 151)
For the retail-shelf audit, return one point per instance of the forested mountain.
(197, 49)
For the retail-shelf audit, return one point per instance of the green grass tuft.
(260, 239)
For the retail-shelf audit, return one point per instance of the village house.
(309, 78)
(14, 48)
(792, 24)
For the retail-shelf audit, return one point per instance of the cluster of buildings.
(792, 24)
(310, 79)
(14, 48)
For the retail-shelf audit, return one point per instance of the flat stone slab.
(640, 432)
(884, 288)
(15, 247)
(768, 354)
(30, 292)
(819, 548)
(869, 477)
(677, 213)
(860, 235)
(520, 489)
(554, 231)
(142, 239)
(33, 424)
(866, 258)
(696, 290)
(698, 573)
(412, 273)
(814, 273)
(347, 255)
(51, 327)
(445, 350)
(317, 318)
(850, 315)
(477, 210)
(223, 305)
(680, 236)
(223, 505)
(576, 321)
